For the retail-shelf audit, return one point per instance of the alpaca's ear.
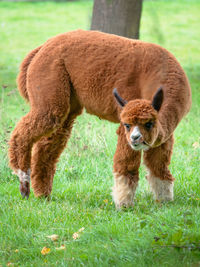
(158, 99)
(120, 100)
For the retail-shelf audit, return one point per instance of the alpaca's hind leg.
(29, 129)
(126, 174)
(45, 155)
(159, 177)
(49, 89)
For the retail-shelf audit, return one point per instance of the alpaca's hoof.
(24, 178)
(24, 189)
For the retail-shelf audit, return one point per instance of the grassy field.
(150, 234)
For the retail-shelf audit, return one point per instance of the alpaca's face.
(141, 135)
(140, 121)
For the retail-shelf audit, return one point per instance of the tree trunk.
(121, 17)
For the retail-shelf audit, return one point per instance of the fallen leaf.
(62, 247)
(196, 145)
(10, 264)
(45, 250)
(81, 230)
(53, 237)
(76, 236)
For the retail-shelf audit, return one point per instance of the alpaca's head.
(140, 119)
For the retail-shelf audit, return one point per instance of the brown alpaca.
(79, 70)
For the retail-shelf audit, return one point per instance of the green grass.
(150, 234)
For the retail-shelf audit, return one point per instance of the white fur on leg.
(122, 192)
(23, 176)
(162, 189)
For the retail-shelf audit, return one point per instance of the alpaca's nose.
(136, 134)
(136, 137)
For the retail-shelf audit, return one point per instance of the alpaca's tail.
(21, 79)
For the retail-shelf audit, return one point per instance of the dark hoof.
(25, 189)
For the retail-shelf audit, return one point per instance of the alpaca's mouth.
(140, 146)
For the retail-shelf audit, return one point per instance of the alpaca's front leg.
(126, 175)
(159, 177)
(124, 190)
(161, 189)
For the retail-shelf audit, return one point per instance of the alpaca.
(78, 70)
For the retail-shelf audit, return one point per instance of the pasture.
(81, 212)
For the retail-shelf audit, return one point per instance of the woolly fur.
(123, 192)
(161, 189)
(79, 69)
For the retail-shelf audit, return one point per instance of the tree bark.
(121, 17)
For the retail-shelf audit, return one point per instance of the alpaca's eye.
(149, 125)
(128, 127)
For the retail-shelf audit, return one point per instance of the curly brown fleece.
(79, 69)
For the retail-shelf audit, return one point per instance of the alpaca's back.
(98, 62)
